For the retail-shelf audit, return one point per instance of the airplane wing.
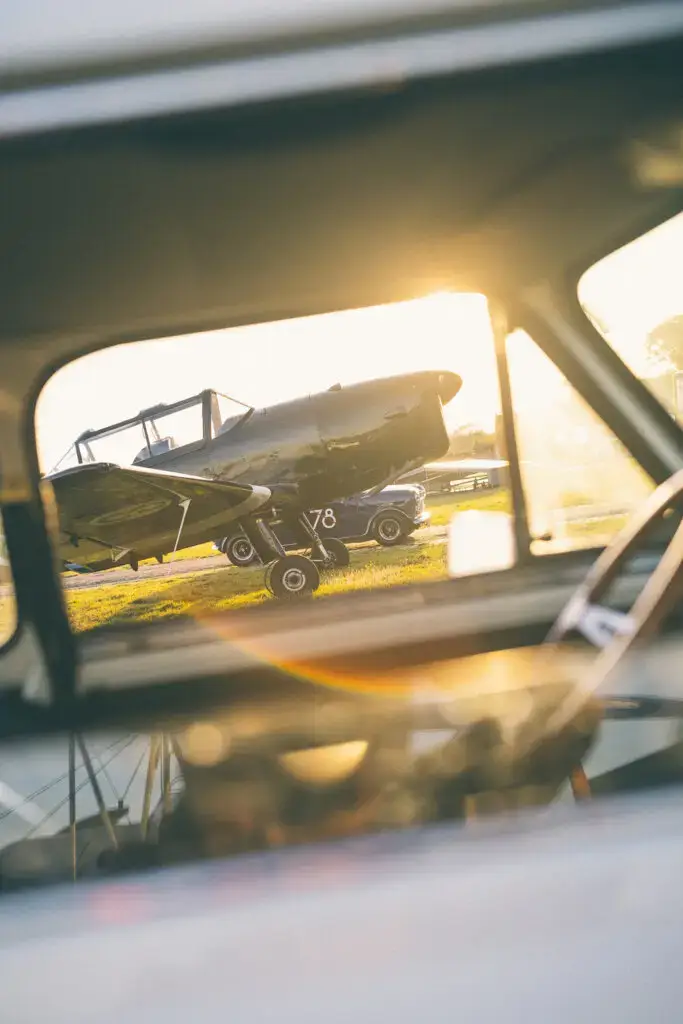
(110, 514)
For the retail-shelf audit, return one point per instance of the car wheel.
(239, 551)
(389, 529)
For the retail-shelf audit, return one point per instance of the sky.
(264, 364)
(632, 290)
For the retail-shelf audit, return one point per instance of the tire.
(266, 578)
(292, 577)
(340, 554)
(239, 551)
(389, 529)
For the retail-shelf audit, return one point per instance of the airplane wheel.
(292, 576)
(266, 577)
(239, 551)
(341, 557)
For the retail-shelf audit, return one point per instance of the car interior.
(236, 777)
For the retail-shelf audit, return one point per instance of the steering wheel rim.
(657, 598)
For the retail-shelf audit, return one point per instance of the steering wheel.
(615, 633)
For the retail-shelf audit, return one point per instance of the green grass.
(443, 507)
(197, 594)
(225, 587)
(228, 587)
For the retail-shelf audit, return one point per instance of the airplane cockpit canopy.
(157, 430)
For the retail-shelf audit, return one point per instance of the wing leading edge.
(111, 514)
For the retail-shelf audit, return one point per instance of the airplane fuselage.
(296, 455)
(331, 444)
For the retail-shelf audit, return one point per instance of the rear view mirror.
(480, 541)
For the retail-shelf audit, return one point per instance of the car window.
(634, 297)
(399, 403)
(580, 483)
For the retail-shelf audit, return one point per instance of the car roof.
(321, 177)
(318, 197)
(41, 36)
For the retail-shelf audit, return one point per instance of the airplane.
(131, 490)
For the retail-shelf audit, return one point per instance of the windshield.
(175, 428)
(230, 413)
(158, 430)
(67, 460)
(120, 445)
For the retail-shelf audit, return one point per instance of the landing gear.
(339, 557)
(328, 554)
(292, 576)
(286, 576)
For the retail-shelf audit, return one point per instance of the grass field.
(230, 587)
(225, 586)
(443, 507)
(201, 593)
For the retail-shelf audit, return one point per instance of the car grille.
(419, 502)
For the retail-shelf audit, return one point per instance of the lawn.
(229, 587)
(444, 506)
(224, 588)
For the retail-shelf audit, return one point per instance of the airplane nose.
(447, 385)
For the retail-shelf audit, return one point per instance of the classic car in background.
(387, 517)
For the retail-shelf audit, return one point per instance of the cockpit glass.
(230, 413)
(65, 461)
(122, 446)
(175, 428)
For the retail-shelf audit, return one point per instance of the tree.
(664, 343)
(470, 441)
